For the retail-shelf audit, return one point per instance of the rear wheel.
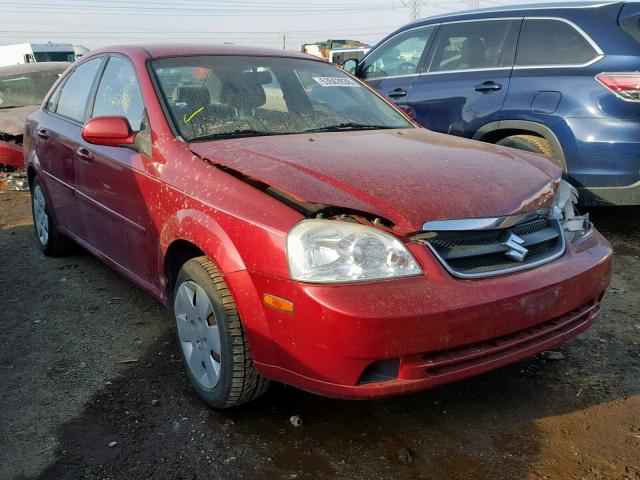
(529, 143)
(50, 240)
(212, 341)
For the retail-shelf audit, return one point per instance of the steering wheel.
(378, 73)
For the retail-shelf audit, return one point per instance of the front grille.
(483, 253)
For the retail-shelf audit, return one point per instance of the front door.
(392, 67)
(112, 185)
(466, 76)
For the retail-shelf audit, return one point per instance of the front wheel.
(212, 341)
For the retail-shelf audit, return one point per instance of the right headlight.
(564, 209)
(331, 251)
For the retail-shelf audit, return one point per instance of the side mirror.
(350, 65)
(108, 131)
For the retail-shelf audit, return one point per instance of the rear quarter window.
(548, 42)
(630, 20)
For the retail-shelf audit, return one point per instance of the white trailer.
(340, 55)
(36, 53)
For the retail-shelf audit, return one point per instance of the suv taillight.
(624, 85)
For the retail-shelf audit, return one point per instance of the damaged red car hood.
(408, 176)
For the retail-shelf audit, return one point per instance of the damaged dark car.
(22, 89)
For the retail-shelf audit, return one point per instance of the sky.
(269, 23)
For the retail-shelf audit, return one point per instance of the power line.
(372, 29)
(133, 9)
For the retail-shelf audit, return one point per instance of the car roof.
(163, 50)
(27, 68)
(523, 8)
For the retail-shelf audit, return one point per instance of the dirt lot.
(86, 359)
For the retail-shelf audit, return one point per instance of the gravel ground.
(91, 387)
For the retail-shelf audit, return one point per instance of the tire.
(51, 241)
(529, 143)
(221, 370)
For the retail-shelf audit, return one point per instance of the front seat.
(473, 53)
(245, 93)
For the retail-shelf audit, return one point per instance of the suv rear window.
(546, 42)
(630, 20)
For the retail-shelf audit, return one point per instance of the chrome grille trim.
(543, 236)
(490, 223)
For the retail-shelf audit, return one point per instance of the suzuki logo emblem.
(516, 250)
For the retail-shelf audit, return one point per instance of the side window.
(552, 42)
(399, 56)
(119, 94)
(75, 91)
(474, 45)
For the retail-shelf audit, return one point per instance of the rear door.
(392, 67)
(115, 183)
(58, 138)
(465, 78)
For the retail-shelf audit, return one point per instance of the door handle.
(488, 87)
(43, 133)
(397, 93)
(84, 154)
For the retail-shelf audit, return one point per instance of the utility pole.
(414, 8)
(284, 41)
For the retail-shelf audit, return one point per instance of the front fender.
(205, 233)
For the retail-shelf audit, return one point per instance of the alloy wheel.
(198, 333)
(40, 217)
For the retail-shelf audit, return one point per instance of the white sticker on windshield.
(336, 82)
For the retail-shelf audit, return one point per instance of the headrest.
(245, 91)
(263, 78)
(473, 51)
(193, 95)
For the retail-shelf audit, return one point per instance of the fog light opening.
(380, 371)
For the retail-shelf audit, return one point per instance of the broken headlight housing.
(330, 251)
(574, 226)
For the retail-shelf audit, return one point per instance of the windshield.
(211, 97)
(54, 56)
(26, 89)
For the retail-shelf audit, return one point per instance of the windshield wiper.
(245, 132)
(340, 127)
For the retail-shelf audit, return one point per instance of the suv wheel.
(529, 143)
(50, 240)
(212, 341)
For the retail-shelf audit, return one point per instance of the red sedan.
(301, 228)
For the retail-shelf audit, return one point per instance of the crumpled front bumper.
(426, 330)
